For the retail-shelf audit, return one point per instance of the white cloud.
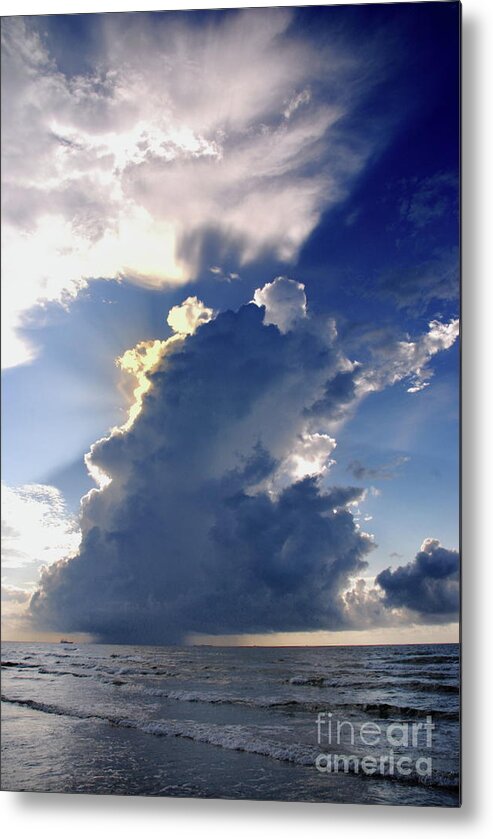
(299, 99)
(395, 360)
(310, 455)
(188, 316)
(284, 301)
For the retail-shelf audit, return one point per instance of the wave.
(427, 658)
(323, 682)
(225, 699)
(381, 709)
(46, 708)
(404, 684)
(384, 710)
(152, 671)
(231, 737)
(48, 672)
(93, 666)
(311, 681)
(57, 655)
(430, 687)
(434, 675)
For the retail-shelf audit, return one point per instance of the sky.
(230, 279)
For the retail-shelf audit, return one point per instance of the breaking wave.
(232, 737)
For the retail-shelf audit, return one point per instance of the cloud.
(11, 594)
(364, 607)
(214, 512)
(393, 359)
(37, 530)
(425, 269)
(429, 199)
(15, 602)
(213, 518)
(424, 592)
(296, 102)
(414, 287)
(139, 362)
(188, 316)
(384, 472)
(387, 358)
(428, 585)
(338, 396)
(124, 170)
(146, 357)
(284, 301)
(310, 455)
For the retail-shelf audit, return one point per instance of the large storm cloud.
(214, 512)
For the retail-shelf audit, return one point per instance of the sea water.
(371, 724)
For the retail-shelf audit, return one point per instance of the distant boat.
(64, 641)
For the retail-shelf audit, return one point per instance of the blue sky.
(200, 156)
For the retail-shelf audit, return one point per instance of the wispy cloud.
(124, 170)
(392, 358)
(429, 199)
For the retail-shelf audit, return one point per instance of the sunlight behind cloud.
(36, 526)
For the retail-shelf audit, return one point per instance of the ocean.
(365, 725)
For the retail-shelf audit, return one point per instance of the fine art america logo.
(391, 745)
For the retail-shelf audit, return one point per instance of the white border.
(58, 816)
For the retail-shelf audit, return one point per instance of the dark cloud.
(339, 394)
(378, 473)
(202, 528)
(428, 585)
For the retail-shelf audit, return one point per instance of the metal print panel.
(231, 502)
